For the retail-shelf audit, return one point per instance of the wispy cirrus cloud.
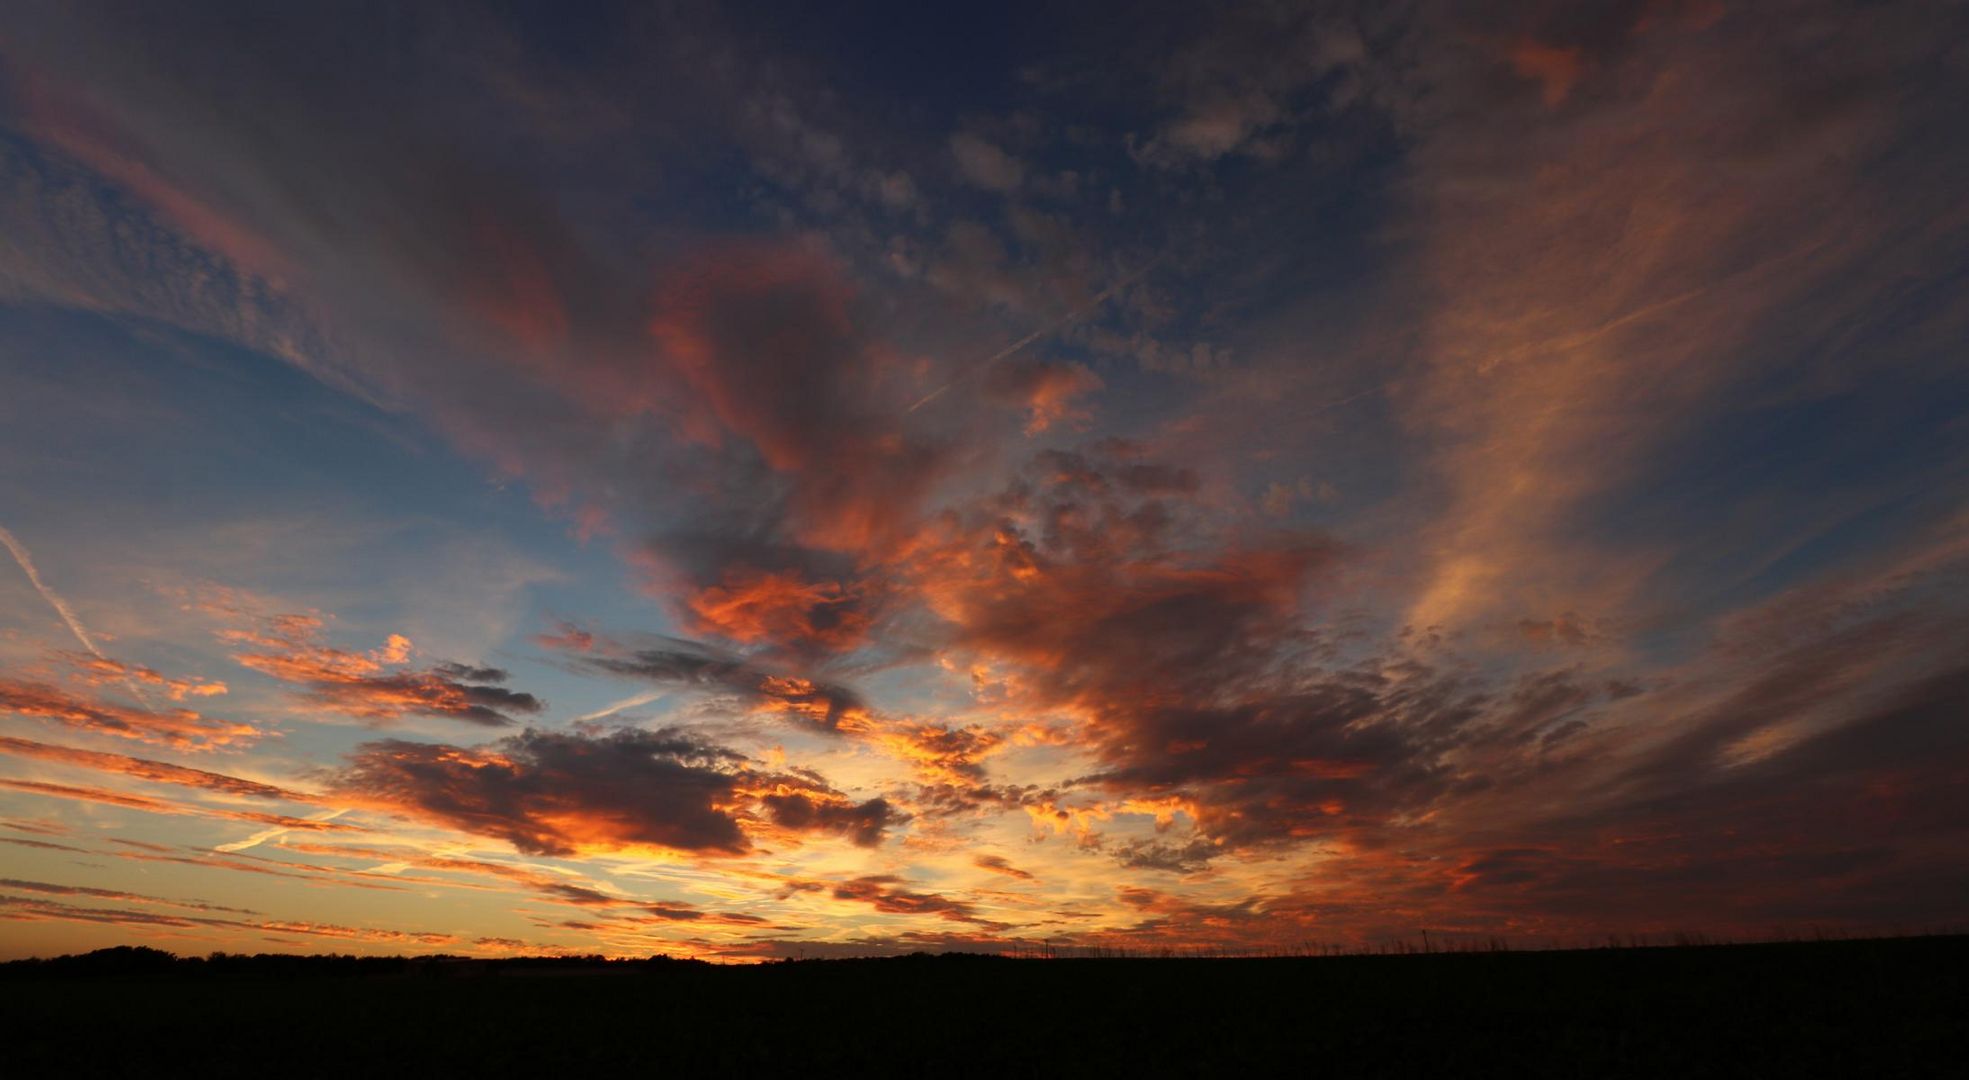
(132, 801)
(34, 909)
(146, 769)
(180, 728)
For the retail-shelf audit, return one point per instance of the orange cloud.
(764, 341)
(149, 805)
(696, 330)
(1556, 69)
(33, 910)
(942, 754)
(251, 864)
(361, 685)
(98, 670)
(1046, 391)
(178, 728)
(145, 769)
(566, 636)
(781, 608)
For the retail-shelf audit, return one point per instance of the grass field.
(1876, 1008)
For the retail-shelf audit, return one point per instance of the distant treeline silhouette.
(142, 959)
(1428, 942)
(1871, 1007)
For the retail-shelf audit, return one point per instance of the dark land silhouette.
(1882, 1007)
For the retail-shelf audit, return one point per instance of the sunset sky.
(714, 481)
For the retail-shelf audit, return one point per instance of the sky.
(743, 482)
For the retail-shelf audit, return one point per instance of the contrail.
(1045, 331)
(643, 698)
(61, 607)
(265, 835)
(1351, 398)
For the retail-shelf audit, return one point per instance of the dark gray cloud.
(468, 673)
(818, 705)
(548, 793)
(862, 822)
(888, 894)
(554, 793)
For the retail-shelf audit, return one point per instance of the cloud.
(800, 811)
(625, 909)
(885, 893)
(557, 887)
(747, 363)
(26, 562)
(93, 137)
(817, 705)
(204, 859)
(1555, 69)
(983, 164)
(998, 864)
(942, 753)
(42, 844)
(559, 793)
(1190, 667)
(566, 636)
(1589, 258)
(179, 728)
(1244, 81)
(361, 684)
(114, 894)
(128, 801)
(25, 909)
(1105, 590)
(765, 338)
(554, 794)
(1558, 382)
(1045, 391)
(1157, 855)
(100, 669)
(145, 769)
(752, 606)
(1213, 126)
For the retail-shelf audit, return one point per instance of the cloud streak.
(25, 561)
(179, 728)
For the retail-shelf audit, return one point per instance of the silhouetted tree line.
(143, 960)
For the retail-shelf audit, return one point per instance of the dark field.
(1851, 1008)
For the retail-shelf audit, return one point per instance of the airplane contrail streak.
(1048, 330)
(26, 561)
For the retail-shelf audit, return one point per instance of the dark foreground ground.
(1853, 1008)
